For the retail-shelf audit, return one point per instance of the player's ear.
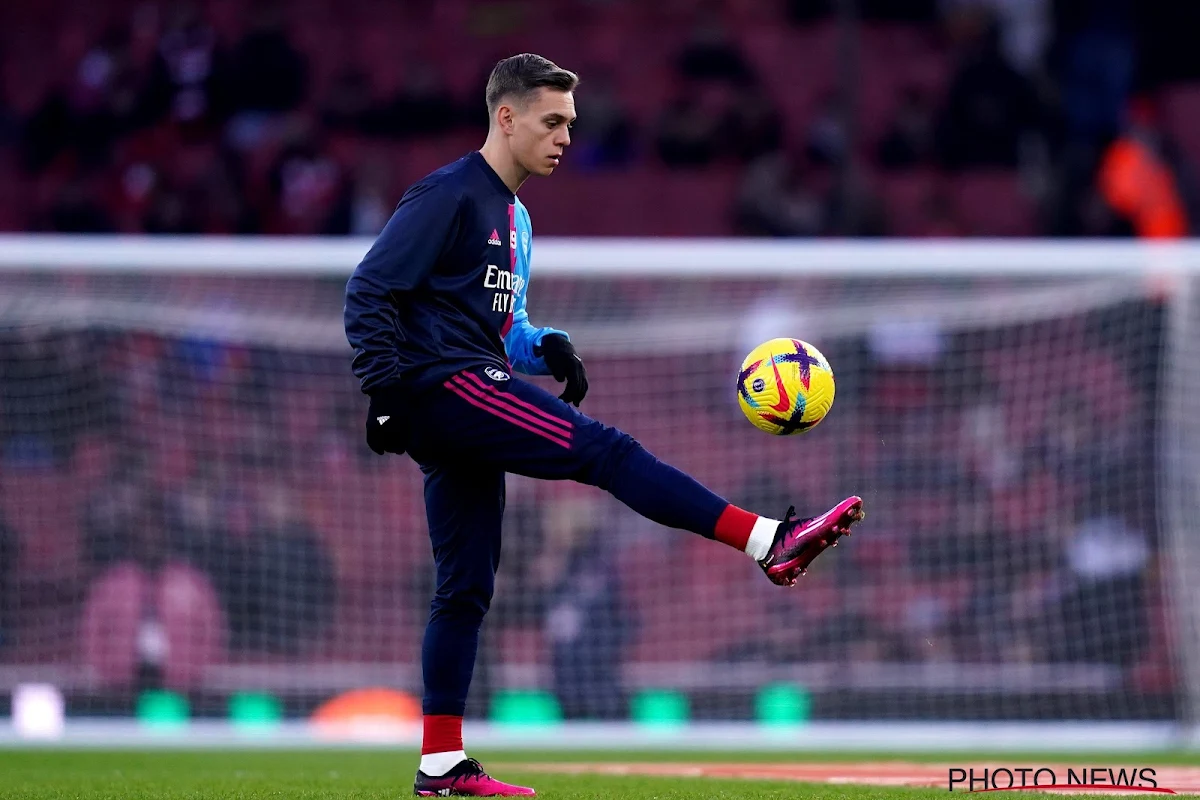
(504, 118)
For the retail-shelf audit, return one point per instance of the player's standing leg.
(464, 504)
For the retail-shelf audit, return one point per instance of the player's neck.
(503, 164)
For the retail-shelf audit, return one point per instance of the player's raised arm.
(403, 254)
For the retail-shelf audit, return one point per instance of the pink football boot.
(466, 779)
(798, 542)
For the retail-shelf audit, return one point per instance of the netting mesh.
(186, 500)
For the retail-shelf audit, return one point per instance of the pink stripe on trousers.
(518, 401)
(464, 392)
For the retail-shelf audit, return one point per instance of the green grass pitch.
(379, 774)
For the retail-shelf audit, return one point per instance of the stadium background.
(186, 503)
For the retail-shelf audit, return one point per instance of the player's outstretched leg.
(518, 427)
(515, 426)
(659, 491)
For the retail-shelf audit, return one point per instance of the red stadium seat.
(41, 507)
(109, 628)
(992, 203)
(659, 203)
(193, 623)
(1181, 117)
(906, 196)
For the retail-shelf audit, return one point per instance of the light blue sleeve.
(523, 336)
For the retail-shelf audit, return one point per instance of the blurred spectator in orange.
(1138, 183)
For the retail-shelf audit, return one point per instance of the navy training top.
(442, 289)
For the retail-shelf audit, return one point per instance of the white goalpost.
(187, 505)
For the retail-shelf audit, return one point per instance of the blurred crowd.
(168, 502)
(762, 117)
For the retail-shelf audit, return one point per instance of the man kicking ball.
(436, 316)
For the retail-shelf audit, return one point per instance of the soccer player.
(437, 319)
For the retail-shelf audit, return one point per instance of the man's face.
(541, 129)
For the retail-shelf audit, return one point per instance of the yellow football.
(785, 386)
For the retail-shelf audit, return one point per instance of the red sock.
(443, 734)
(734, 526)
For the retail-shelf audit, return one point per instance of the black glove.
(385, 429)
(565, 365)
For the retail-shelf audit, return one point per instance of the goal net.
(186, 500)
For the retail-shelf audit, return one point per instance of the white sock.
(437, 764)
(762, 536)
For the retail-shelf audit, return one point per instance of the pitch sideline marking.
(1184, 780)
